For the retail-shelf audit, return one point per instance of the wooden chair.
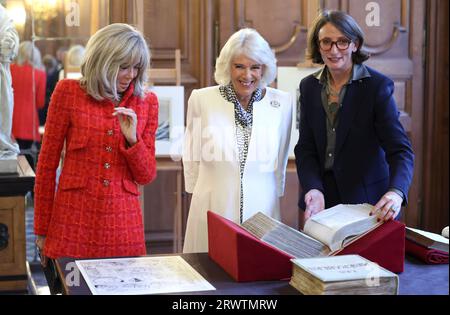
(167, 75)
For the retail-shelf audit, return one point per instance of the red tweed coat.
(95, 211)
(25, 124)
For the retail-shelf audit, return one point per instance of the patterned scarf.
(244, 117)
(244, 121)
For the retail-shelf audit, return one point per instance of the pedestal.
(8, 166)
(13, 188)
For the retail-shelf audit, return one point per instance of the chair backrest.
(167, 75)
(71, 72)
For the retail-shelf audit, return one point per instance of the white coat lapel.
(263, 132)
(223, 125)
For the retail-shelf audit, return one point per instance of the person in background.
(28, 81)
(352, 147)
(51, 69)
(108, 123)
(237, 139)
(61, 53)
(73, 58)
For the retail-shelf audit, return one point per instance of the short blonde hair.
(75, 55)
(250, 43)
(109, 48)
(29, 53)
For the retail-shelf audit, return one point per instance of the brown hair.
(346, 25)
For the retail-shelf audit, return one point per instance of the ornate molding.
(380, 49)
(297, 30)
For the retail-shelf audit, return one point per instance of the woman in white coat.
(237, 139)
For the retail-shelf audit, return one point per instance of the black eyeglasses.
(341, 44)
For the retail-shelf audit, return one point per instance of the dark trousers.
(51, 275)
(332, 196)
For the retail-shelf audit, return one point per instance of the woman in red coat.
(108, 125)
(25, 126)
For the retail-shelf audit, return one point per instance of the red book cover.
(243, 256)
(385, 246)
(246, 258)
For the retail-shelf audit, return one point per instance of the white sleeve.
(192, 143)
(285, 139)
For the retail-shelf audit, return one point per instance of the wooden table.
(416, 279)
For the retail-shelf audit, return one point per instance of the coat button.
(108, 149)
(110, 132)
(106, 183)
(107, 165)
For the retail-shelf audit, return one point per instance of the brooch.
(275, 104)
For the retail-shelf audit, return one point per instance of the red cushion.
(427, 255)
(243, 256)
(246, 258)
(385, 246)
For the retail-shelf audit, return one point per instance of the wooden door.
(436, 134)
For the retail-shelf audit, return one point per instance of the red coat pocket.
(72, 182)
(130, 186)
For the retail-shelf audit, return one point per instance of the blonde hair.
(109, 48)
(75, 55)
(250, 43)
(29, 53)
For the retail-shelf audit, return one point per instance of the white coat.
(211, 160)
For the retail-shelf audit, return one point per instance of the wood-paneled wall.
(436, 116)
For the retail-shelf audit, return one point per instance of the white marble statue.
(9, 43)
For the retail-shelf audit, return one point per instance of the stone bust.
(9, 42)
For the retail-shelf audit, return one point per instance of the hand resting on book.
(315, 202)
(388, 207)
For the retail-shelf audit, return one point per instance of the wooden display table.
(13, 188)
(417, 279)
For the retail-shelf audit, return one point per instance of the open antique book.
(324, 234)
(427, 239)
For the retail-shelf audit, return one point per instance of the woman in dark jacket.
(352, 147)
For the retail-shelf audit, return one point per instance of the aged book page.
(283, 237)
(141, 275)
(348, 274)
(342, 268)
(336, 226)
(427, 239)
